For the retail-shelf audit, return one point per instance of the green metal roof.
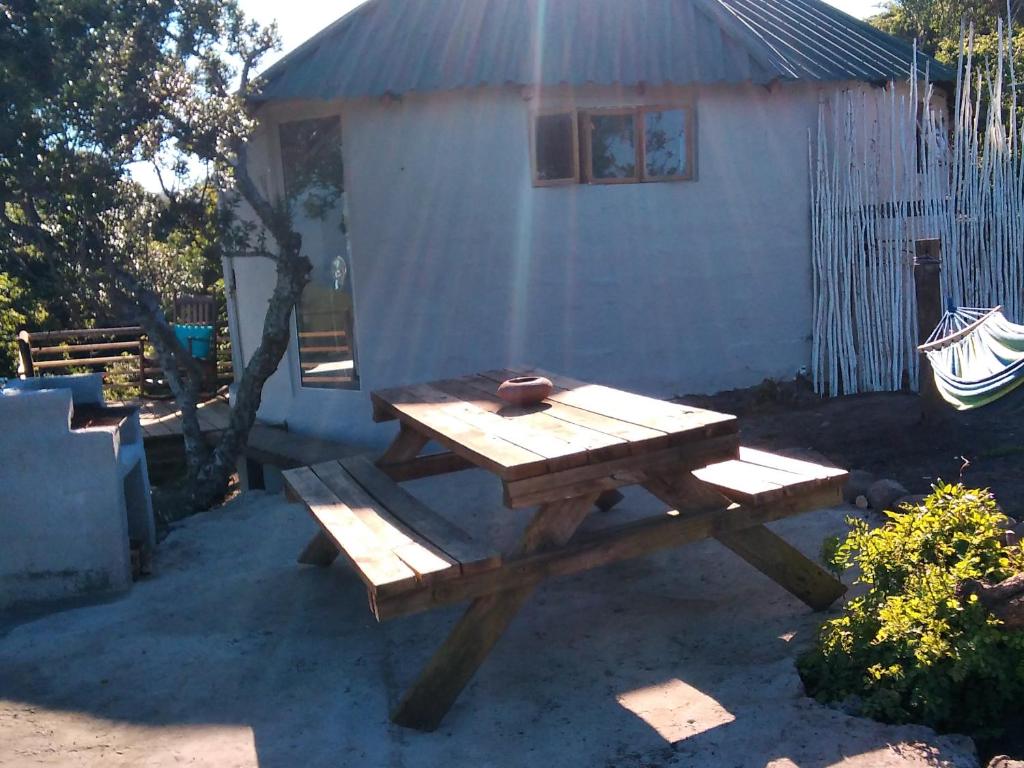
(398, 46)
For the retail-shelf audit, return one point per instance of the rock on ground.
(883, 495)
(232, 655)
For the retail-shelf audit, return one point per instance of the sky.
(299, 20)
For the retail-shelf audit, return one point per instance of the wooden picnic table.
(566, 456)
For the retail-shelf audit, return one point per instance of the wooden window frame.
(573, 112)
(640, 137)
(588, 155)
(690, 125)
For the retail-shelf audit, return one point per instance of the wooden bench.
(395, 543)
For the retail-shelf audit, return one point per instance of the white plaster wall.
(63, 528)
(460, 264)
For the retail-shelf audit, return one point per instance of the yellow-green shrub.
(909, 649)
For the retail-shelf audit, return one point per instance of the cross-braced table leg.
(771, 555)
(607, 500)
(454, 664)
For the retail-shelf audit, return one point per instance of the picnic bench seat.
(395, 543)
(412, 559)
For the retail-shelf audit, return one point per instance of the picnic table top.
(578, 424)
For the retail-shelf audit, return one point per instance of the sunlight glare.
(675, 710)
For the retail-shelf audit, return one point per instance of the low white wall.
(63, 527)
(460, 264)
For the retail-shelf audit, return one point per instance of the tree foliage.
(87, 89)
(935, 24)
(910, 648)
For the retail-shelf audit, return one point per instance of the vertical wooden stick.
(927, 267)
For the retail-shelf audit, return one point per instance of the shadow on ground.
(233, 655)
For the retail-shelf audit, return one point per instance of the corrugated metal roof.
(397, 46)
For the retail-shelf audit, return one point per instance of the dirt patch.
(888, 435)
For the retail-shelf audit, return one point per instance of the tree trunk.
(143, 305)
(212, 478)
(1005, 600)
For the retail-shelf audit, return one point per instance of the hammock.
(977, 356)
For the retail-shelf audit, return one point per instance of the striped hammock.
(977, 356)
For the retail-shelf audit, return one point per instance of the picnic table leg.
(607, 500)
(453, 665)
(784, 564)
(406, 446)
(771, 555)
(320, 551)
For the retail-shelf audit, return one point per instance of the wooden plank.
(206, 424)
(786, 464)
(281, 448)
(405, 445)
(619, 472)
(598, 445)
(86, 333)
(676, 420)
(785, 565)
(378, 566)
(560, 453)
(65, 348)
(753, 483)
(84, 361)
(316, 380)
(506, 460)
(421, 556)
(608, 425)
(430, 465)
(217, 412)
(25, 367)
(157, 428)
(603, 547)
(456, 661)
(332, 349)
(322, 334)
(459, 545)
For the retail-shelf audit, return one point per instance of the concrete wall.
(63, 527)
(460, 264)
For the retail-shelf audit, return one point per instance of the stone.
(1002, 761)
(1013, 534)
(857, 484)
(883, 494)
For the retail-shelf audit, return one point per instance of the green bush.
(909, 649)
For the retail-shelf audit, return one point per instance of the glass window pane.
(324, 325)
(665, 143)
(553, 145)
(612, 147)
(311, 156)
(311, 159)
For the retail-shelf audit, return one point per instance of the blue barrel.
(197, 339)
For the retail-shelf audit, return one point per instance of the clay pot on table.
(525, 390)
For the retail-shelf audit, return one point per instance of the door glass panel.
(314, 183)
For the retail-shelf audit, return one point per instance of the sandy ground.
(233, 655)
